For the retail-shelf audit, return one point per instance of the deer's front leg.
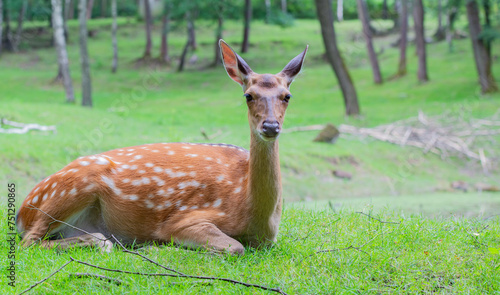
(206, 235)
(85, 240)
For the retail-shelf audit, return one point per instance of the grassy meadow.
(438, 242)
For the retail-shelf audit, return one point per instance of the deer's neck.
(264, 188)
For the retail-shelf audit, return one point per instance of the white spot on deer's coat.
(155, 151)
(217, 203)
(174, 174)
(133, 167)
(208, 158)
(109, 182)
(221, 213)
(206, 205)
(170, 191)
(138, 157)
(89, 187)
(182, 208)
(149, 204)
(47, 179)
(129, 154)
(125, 166)
(73, 191)
(126, 180)
(130, 150)
(192, 173)
(157, 169)
(237, 190)
(35, 199)
(171, 153)
(102, 161)
(133, 197)
(142, 171)
(36, 189)
(185, 184)
(54, 184)
(62, 193)
(149, 165)
(220, 178)
(45, 197)
(186, 147)
(194, 207)
(192, 155)
(158, 180)
(84, 163)
(120, 154)
(167, 204)
(178, 203)
(52, 194)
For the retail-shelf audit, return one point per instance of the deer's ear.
(235, 66)
(292, 69)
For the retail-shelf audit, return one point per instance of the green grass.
(410, 255)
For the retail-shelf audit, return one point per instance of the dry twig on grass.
(21, 128)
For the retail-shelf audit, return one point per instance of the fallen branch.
(22, 128)
(47, 277)
(80, 275)
(378, 219)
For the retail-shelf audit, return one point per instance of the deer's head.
(267, 95)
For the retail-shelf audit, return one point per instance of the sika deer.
(213, 196)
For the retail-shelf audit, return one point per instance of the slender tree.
(148, 24)
(1, 25)
(440, 33)
(90, 6)
(8, 32)
(84, 56)
(189, 42)
(246, 30)
(403, 18)
(418, 19)
(283, 6)
(114, 41)
(104, 8)
(268, 11)
(62, 55)
(19, 29)
(219, 11)
(165, 28)
(325, 16)
(67, 7)
(365, 21)
(481, 57)
(340, 10)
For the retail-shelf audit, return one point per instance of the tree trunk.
(218, 36)
(104, 8)
(84, 56)
(483, 62)
(62, 55)
(418, 19)
(487, 10)
(403, 16)
(440, 33)
(268, 11)
(340, 10)
(90, 6)
(71, 13)
(19, 29)
(148, 23)
(164, 56)
(8, 32)
(114, 41)
(1, 26)
(365, 21)
(283, 6)
(385, 10)
(189, 42)
(67, 7)
(325, 16)
(192, 30)
(246, 30)
(450, 26)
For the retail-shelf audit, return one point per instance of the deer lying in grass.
(213, 196)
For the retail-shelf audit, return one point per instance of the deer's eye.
(287, 97)
(248, 97)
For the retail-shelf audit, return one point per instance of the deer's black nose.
(270, 128)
